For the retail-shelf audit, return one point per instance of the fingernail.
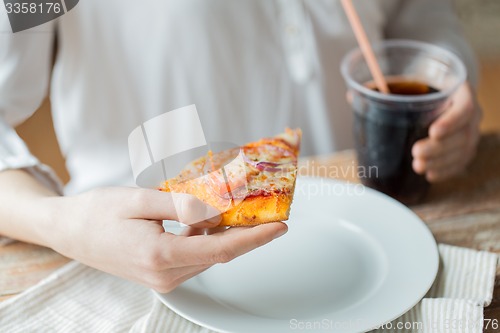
(280, 233)
(215, 220)
(415, 165)
(421, 149)
(416, 150)
(420, 165)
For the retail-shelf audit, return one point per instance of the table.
(464, 211)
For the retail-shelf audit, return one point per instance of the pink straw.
(365, 46)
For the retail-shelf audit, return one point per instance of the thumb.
(157, 205)
(456, 115)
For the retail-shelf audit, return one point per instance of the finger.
(445, 166)
(449, 166)
(208, 231)
(216, 230)
(459, 156)
(220, 247)
(431, 154)
(456, 116)
(419, 166)
(430, 148)
(192, 211)
(157, 205)
(439, 175)
(441, 163)
(205, 231)
(190, 231)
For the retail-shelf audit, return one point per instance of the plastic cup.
(387, 125)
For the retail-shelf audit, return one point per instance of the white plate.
(353, 258)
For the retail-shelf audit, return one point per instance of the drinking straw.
(365, 46)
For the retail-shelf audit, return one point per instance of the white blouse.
(251, 67)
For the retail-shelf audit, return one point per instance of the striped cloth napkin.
(455, 302)
(77, 298)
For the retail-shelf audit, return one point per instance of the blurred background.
(482, 26)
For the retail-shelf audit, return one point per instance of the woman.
(252, 67)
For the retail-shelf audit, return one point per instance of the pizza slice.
(249, 185)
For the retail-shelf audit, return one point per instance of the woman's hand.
(119, 231)
(452, 140)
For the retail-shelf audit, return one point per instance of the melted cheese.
(260, 168)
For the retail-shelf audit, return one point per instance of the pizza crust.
(258, 210)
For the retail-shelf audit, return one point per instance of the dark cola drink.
(385, 132)
(422, 79)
